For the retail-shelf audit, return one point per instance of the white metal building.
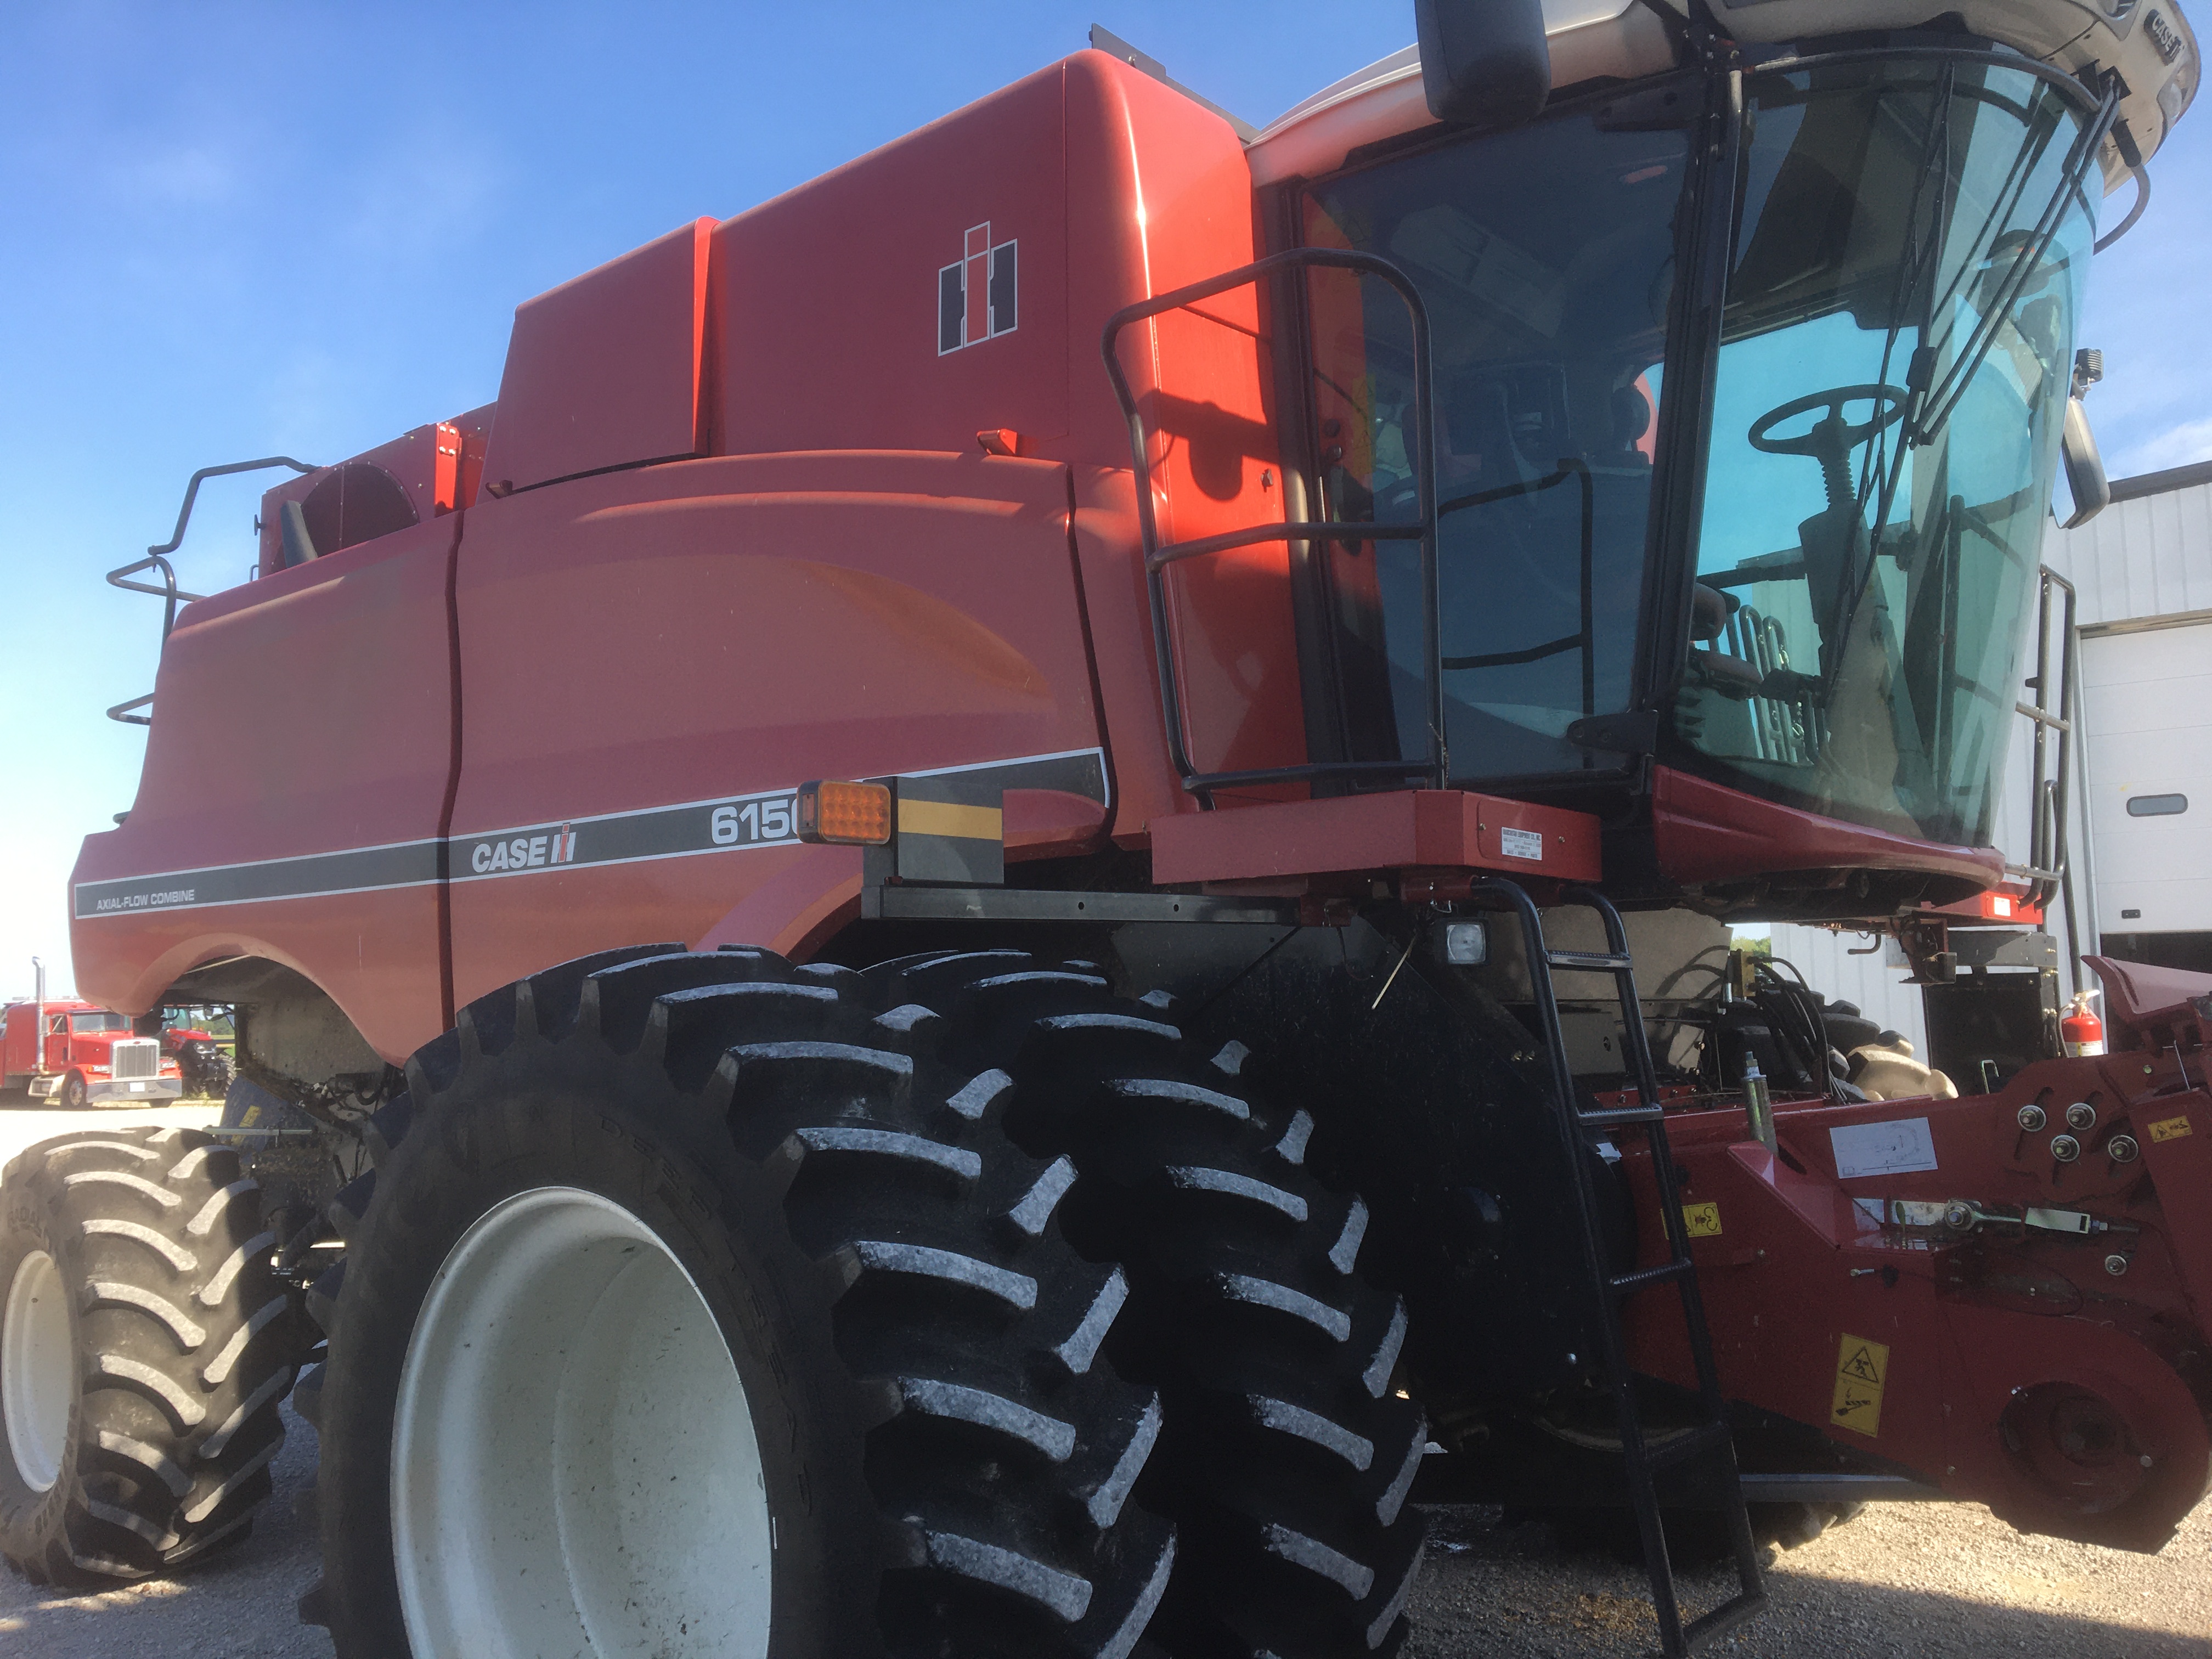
(2141, 835)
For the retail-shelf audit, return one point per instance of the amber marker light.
(845, 814)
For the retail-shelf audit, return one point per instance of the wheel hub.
(574, 1462)
(34, 1371)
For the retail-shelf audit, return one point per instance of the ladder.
(1710, 1445)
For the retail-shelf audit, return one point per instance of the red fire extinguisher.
(2083, 1031)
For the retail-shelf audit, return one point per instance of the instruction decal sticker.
(2170, 1128)
(1702, 1220)
(1861, 1369)
(1882, 1149)
(1521, 844)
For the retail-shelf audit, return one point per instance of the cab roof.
(2151, 44)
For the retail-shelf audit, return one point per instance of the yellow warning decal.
(936, 818)
(2170, 1128)
(1702, 1220)
(1861, 1368)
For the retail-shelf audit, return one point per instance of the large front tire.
(144, 1344)
(698, 1311)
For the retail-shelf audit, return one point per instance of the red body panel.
(1114, 188)
(1205, 390)
(1706, 832)
(833, 287)
(766, 620)
(1435, 828)
(307, 713)
(604, 371)
(2155, 1004)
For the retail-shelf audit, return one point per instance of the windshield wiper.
(1938, 404)
(1934, 404)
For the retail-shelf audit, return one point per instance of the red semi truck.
(953, 998)
(89, 1055)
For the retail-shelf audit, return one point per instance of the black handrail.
(2050, 795)
(157, 559)
(1435, 765)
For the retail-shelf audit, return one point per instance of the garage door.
(2147, 701)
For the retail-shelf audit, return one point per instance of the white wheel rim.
(35, 1371)
(574, 1465)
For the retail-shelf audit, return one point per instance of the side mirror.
(2085, 467)
(1484, 62)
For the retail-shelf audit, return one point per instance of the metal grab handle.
(157, 559)
(1435, 765)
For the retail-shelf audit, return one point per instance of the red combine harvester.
(1198, 1004)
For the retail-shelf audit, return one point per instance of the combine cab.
(901, 992)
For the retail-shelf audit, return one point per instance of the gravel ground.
(238, 1605)
(1932, 1581)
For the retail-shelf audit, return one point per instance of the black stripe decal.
(1080, 773)
(411, 864)
(733, 824)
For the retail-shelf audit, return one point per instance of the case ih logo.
(2162, 37)
(976, 296)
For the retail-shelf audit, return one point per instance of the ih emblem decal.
(976, 296)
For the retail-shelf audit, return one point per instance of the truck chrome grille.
(138, 1057)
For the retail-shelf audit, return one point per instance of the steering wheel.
(1830, 439)
(1833, 431)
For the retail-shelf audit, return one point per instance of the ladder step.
(1621, 1115)
(1708, 1446)
(1593, 961)
(1644, 1278)
(1737, 1610)
(1700, 1442)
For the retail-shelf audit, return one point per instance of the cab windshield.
(1907, 269)
(1911, 234)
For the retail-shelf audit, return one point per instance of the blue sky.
(232, 230)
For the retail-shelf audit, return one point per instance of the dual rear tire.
(1288, 1453)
